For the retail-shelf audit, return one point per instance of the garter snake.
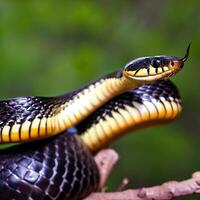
(62, 167)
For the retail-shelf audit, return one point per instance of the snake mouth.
(151, 78)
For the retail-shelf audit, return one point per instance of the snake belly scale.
(62, 167)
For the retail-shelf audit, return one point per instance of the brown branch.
(105, 159)
(166, 191)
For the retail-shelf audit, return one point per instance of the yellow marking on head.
(152, 70)
(165, 68)
(15, 133)
(35, 128)
(24, 133)
(5, 134)
(43, 130)
(159, 70)
(131, 73)
(142, 72)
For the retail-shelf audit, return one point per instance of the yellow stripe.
(35, 128)
(165, 68)
(142, 72)
(5, 134)
(120, 120)
(87, 138)
(56, 125)
(134, 113)
(106, 127)
(175, 109)
(143, 110)
(43, 130)
(61, 122)
(113, 124)
(126, 115)
(100, 94)
(92, 137)
(100, 135)
(159, 70)
(152, 70)
(179, 107)
(24, 133)
(49, 128)
(160, 108)
(15, 133)
(168, 107)
(153, 111)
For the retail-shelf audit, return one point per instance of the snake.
(55, 138)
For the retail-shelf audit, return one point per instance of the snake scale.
(55, 161)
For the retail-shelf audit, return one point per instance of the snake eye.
(156, 63)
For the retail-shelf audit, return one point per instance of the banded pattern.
(146, 105)
(57, 168)
(150, 71)
(30, 118)
(61, 167)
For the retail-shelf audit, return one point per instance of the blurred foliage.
(50, 47)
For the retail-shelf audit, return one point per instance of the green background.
(52, 47)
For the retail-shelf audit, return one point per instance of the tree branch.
(106, 159)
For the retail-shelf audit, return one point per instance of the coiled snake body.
(62, 166)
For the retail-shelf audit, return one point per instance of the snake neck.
(40, 117)
(86, 100)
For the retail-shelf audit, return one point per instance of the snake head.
(148, 69)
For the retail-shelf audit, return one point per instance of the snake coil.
(62, 166)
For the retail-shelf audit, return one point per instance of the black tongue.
(187, 53)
